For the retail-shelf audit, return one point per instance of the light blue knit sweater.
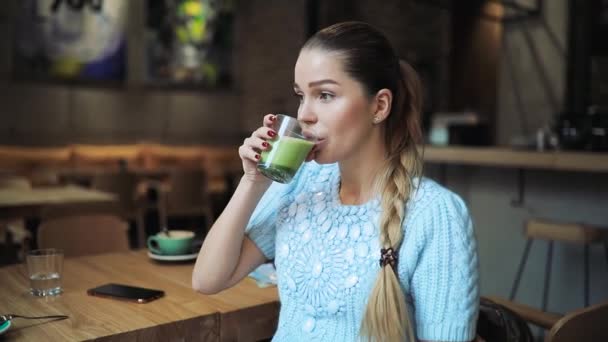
(327, 258)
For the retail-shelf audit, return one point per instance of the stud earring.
(376, 120)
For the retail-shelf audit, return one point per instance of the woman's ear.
(382, 107)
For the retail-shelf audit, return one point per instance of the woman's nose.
(306, 114)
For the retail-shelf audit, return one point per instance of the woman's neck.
(358, 174)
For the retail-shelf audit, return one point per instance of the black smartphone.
(125, 292)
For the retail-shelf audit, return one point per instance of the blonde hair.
(386, 317)
(368, 57)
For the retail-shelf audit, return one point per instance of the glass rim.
(294, 134)
(44, 252)
(303, 127)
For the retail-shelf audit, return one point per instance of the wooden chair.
(15, 182)
(16, 227)
(26, 159)
(84, 235)
(107, 157)
(44, 177)
(185, 194)
(574, 233)
(587, 324)
(552, 231)
(126, 187)
(156, 156)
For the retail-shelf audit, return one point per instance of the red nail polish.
(271, 133)
(265, 144)
(257, 156)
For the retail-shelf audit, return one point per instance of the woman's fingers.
(248, 155)
(269, 120)
(252, 147)
(257, 144)
(265, 133)
(246, 151)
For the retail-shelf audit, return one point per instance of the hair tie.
(388, 256)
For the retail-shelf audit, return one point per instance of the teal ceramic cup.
(178, 242)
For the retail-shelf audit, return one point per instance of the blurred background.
(515, 113)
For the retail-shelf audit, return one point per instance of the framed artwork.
(189, 42)
(82, 40)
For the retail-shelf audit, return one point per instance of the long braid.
(387, 295)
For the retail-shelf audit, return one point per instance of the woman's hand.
(227, 255)
(250, 151)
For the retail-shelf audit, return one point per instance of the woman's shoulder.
(430, 197)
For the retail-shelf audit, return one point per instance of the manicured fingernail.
(265, 144)
(271, 133)
(257, 156)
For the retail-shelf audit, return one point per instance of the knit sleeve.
(261, 228)
(445, 281)
(262, 225)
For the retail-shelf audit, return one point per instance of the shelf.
(504, 157)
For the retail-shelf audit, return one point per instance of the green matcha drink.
(284, 158)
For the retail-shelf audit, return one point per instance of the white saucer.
(182, 257)
(4, 327)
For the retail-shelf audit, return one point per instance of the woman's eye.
(299, 97)
(326, 96)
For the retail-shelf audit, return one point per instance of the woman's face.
(337, 107)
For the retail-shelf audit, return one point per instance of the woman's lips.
(313, 152)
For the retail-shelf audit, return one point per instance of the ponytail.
(386, 317)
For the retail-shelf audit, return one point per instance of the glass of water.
(44, 267)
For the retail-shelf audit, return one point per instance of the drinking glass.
(45, 267)
(288, 151)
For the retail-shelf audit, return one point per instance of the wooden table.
(242, 313)
(15, 203)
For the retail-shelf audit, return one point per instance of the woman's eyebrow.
(320, 82)
(317, 83)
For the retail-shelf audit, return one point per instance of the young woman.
(364, 246)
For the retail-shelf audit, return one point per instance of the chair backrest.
(122, 184)
(564, 232)
(500, 323)
(588, 324)
(82, 235)
(188, 188)
(15, 182)
(15, 226)
(44, 177)
(165, 157)
(106, 156)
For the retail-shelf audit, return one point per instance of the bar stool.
(560, 232)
